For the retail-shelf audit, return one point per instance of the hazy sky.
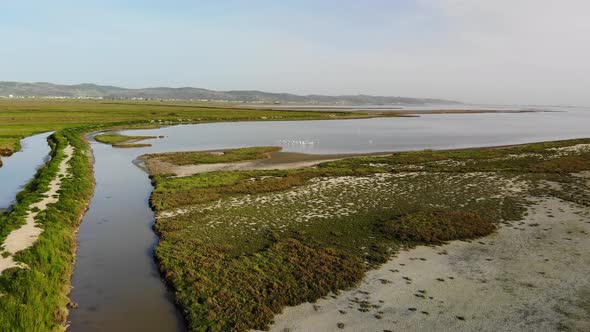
(489, 51)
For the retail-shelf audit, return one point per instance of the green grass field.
(239, 246)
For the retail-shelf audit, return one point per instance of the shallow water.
(19, 169)
(116, 282)
(434, 131)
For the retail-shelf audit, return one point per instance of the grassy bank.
(35, 298)
(239, 246)
(213, 157)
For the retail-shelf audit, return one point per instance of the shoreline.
(274, 161)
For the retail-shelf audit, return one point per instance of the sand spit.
(274, 161)
(159, 167)
(531, 275)
(24, 237)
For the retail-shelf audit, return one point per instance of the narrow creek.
(18, 169)
(116, 282)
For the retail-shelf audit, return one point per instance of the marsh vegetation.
(239, 246)
(212, 157)
(122, 141)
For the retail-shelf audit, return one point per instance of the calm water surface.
(374, 135)
(20, 168)
(116, 282)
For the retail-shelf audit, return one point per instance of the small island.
(122, 141)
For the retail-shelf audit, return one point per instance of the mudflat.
(274, 160)
(531, 275)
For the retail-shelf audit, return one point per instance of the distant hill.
(42, 89)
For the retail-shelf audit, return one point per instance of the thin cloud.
(485, 51)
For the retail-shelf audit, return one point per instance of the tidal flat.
(528, 276)
(238, 247)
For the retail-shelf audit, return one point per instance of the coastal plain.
(254, 237)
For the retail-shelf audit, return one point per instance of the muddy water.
(19, 169)
(116, 282)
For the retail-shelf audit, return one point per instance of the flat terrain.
(239, 246)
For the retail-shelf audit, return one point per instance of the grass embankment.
(239, 246)
(122, 141)
(34, 299)
(214, 157)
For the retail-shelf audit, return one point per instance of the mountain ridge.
(91, 90)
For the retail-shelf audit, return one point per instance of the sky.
(476, 51)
